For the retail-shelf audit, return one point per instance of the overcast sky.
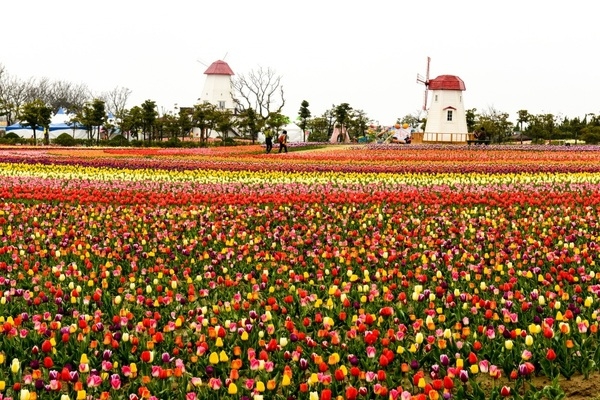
(534, 55)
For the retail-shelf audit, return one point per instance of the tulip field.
(346, 272)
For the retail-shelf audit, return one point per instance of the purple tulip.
(444, 360)
(303, 364)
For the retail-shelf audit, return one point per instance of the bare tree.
(3, 106)
(39, 89)
(261, 90)
(68, 95)
(14, 93)
(116, 100)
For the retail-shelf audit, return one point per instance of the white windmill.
(218, 86)
(446, 117)
(218, 91)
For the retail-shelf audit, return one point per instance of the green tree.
(149, 116)
(185, 122)
(92, 116)
(522, 118)
(572, 128)
(224, 123)
(471, 116)
(276, 121)
(357, 124)
(131, 122)
(98, 116)
(591, 134)
(35, 115)
(250, 123)
(542, 127)
(413, 120)
(205, 117)
(341, 114)
(319, 129)
(496, 125)
(304, 115)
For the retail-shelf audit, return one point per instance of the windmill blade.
(425, 81)
(198, 61)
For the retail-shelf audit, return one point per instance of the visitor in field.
(283, 141)
(269, 140)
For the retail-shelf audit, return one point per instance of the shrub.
(11, 135)
(65, 140)
(228, 142)
(172, 142)
(118, 141)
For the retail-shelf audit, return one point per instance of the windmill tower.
(218, 86)
(446, 117)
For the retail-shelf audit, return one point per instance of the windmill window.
(221, 105)
(449, 116)
(436, 97)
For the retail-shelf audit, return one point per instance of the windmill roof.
(219, 67)
(447, 82)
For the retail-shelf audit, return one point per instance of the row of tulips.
(360, 159)
(103, 184)
(446, 295)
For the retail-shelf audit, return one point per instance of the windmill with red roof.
(446, 117)
(218, 86)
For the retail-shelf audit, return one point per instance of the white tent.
(294, 134)
(61, 124)
(25, 132)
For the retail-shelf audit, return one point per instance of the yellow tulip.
(232, 388)
(15, 366)
(223, 356)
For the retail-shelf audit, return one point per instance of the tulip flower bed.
(342, 273)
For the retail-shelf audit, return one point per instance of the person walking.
(283, 141)
(269, 140)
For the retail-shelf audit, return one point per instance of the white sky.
(534, 55)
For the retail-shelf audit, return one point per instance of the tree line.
(259, 99)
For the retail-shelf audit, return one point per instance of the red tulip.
(46, 346)
(383, 360)
(146, 356)
(386, 311)
(550, 355)
(351, 393)
(448, 383)
(472, 358)
(48, 363)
